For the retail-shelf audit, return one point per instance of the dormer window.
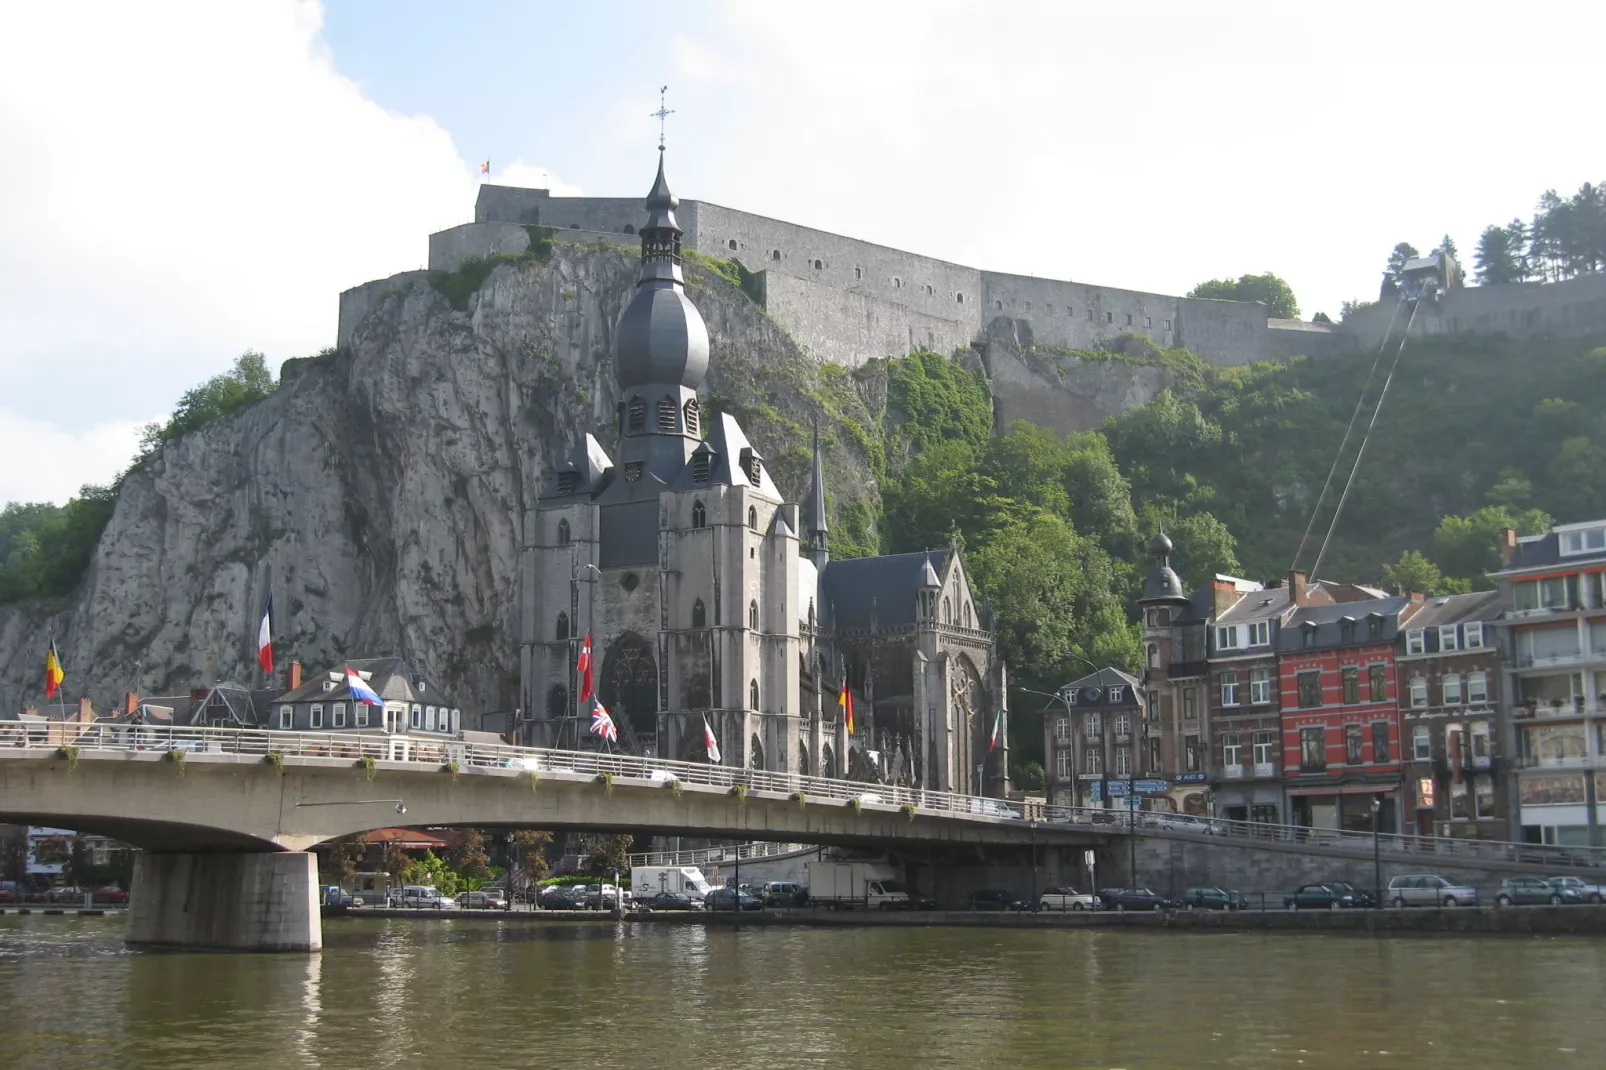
(568, 482)
(667, 410)
(636, 421)
(1308, 636)
(701, 463)
(328, 685)
(691, 412)
(752, 466)
(1591, 540)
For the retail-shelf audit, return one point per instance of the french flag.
(265, 638)
(360, 690)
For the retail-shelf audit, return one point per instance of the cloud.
(182, 182)
(48, 463)
(535, 176)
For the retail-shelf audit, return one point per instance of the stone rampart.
(1522, 310)
(1075, 315)
(838, 326)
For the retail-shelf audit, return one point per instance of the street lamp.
(1377, 857)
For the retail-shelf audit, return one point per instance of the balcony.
(1265, 770)
(1123, 737)
(1552, 661)
(1179, 669)
(1232, 772)
(1567, 711)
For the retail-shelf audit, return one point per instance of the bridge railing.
(482, 757)
(706, 856)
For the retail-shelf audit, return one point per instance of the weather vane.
(661, 114)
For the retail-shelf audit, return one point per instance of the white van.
(420, 896)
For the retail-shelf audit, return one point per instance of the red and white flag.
(583, 667)
(710, 744)
(602, 724)
(265, 638)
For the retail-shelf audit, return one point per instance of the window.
(1451, 684)
(775, 254)
(1231, 750)
(1380, 741)
(1422, 743)
(1190, 754)
(1190, 703)
(752, 517)
(998, 306)
(699, 614)
(1447, 638)
(418, 717)
(1307, 637)
(1229, 689)
(1352, 684)
(1424, 793)
(1352, 744)
(1262, 742)
(668, 412)
(1481, 748)
(1378, 684)
(1419, 692)
(733, 244)
(1148, 322)
(563, 533)
(316, 720)
(1154, 753)
(701, 463)
(568, 482)
(1554, 593)
(338, 717)
(819, 265)
(1123, 761)
(1472, 635)
(1154, 656)
(1260, 633)
(752, 694)
(699, 515)
(636, 422)
(1477, 687)
(632, 471)
(692, 414)
(858, 274)
(752, 615)
(562, 631)
(362, 715)
(1374, 625)
(1062, 765)
(930, 292)
(429, 718)
(1460, 802)
(1129, 319)
(1167, 324)
(1483, 795)
(1151, 706)
(959, 298)
(1109, 317)
(1310, 688)
(1062, 728)
(286, 716)
(1259, 686)
(1093, 761)
(1583, 542)
(1346, 630)
(1312, 749)
(897, 283)
(1090, 729)
(1122, 725)
(1414, 642)
(1227, 638)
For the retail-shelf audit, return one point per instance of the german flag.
(54, 673)
(845, 700)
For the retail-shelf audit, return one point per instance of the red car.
(112, 894)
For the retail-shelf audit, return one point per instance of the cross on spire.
(661, 114)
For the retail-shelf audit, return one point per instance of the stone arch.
(699, 514)
(828, 763)
(563, 533)
(965, 692)
(557, 702)
(752, 517)
(629, 685)
(699, 614)
(752, 693)
(563, 625)
(967, 614)
(636, 416)
(752, 615)
(630, 228)
(668, 414)
(732, 243)
(755, 760)
(803, 760)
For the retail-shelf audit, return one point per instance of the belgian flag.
(54, 673)
(845, 700)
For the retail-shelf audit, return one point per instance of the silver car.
(1587, 892)
(1428, 890)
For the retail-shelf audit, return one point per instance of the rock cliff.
(381, 487)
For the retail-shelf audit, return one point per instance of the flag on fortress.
(845, 700)
(998, 731)
(54, 673)
(583, 667)
(485, 168)
(265, 637)
(360, 690)
(602, 724)
(710, 744)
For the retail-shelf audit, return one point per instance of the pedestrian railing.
(707, 856)
(93, 739)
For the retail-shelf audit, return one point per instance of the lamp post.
(1377, 856)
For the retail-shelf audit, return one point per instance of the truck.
(846, 885)
(648, 881)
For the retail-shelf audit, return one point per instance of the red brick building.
(1340, 715)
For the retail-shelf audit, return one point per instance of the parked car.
(1363, 898)
(726, 899)
(112, 894)
(481, 900)
(1210, 897)
(66, 893)
(420, 897)
(1527, 891)
(603, 897)
(672, 901)
(1133, 899)
(1427, 890)
(335, 896)
(993, 899)
(1587, 891)
(1179, 823)
(1321, 897)
(559, 897)
(784, 894)
(1068, 899)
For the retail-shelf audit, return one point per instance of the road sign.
(1150, 787)
(1191, 778)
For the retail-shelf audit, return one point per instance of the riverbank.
(1547, 920)
(85, 912)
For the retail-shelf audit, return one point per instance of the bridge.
(226, 817)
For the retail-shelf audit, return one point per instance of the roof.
(1457, 609)
(408, 839)
(391, 678)
(855, 588)
(590, 466)
(1328, 623)
(1256, 605)
(727, 450)
(1544, 551)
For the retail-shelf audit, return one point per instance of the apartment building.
(1176, 669)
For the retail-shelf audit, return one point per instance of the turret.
(819, 541)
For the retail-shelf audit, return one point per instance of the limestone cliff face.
(1059, 391)
(382, 487)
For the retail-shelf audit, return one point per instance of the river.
(506, 994)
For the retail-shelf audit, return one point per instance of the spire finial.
(663, 112)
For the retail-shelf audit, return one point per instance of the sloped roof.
(854, 587)
(590, 464)
(1457, 609)
(727, 448)
(1328, 623)
(391, 678)
(407, 839)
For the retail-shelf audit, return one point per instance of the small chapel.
(709, 598)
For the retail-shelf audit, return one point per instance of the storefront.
(1345, 806)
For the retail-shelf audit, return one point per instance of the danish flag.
(583, 667)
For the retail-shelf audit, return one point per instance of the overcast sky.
(180, 182)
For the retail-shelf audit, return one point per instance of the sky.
(183, 181)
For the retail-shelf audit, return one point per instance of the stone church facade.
(708, 596)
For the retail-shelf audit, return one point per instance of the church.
(709, 598)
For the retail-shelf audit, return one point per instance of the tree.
(608, 855)
(248, 381)
(1267, 289)
(467, 856)
(1031, 777)
(1391, 274)
(13, 852)
(1414, 572)
(1498, 262)
(344, 855)
(1468, 547)
(529, 860)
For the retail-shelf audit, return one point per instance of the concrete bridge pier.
(226, 902)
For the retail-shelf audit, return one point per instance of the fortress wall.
(1296, 338)
(1074, 315)
(448, 249)
(836, 326)
(1222, 332)
(1571, 308)
(358, 301)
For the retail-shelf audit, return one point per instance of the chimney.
(130, 702)
(295, 675)
(1508, 546)
(1223, 595)
(1296, 588)
(86, 710)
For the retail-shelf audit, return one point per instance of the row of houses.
(1332, 705)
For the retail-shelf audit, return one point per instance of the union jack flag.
(602, 724)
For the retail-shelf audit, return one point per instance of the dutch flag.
(360, 690)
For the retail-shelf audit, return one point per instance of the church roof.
(854, 588)
(588, 468)
(728, 453)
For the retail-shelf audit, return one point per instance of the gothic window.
(752, 694)
(756, 759)
(752, 518)
(752, 615)
(629, 685)
(568, 482)
(967, 614)
(667, 410)
(828, 762)
(563, 626)
(699, 515)
(701, 462)
(636, 423)
(557, 702)
(699, 614)
(692, 411)
(947, 611)
(563, 532)
(803, 760)
(632, 471)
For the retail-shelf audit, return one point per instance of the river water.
(510, 994)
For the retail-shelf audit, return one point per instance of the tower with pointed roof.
(708, 596)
